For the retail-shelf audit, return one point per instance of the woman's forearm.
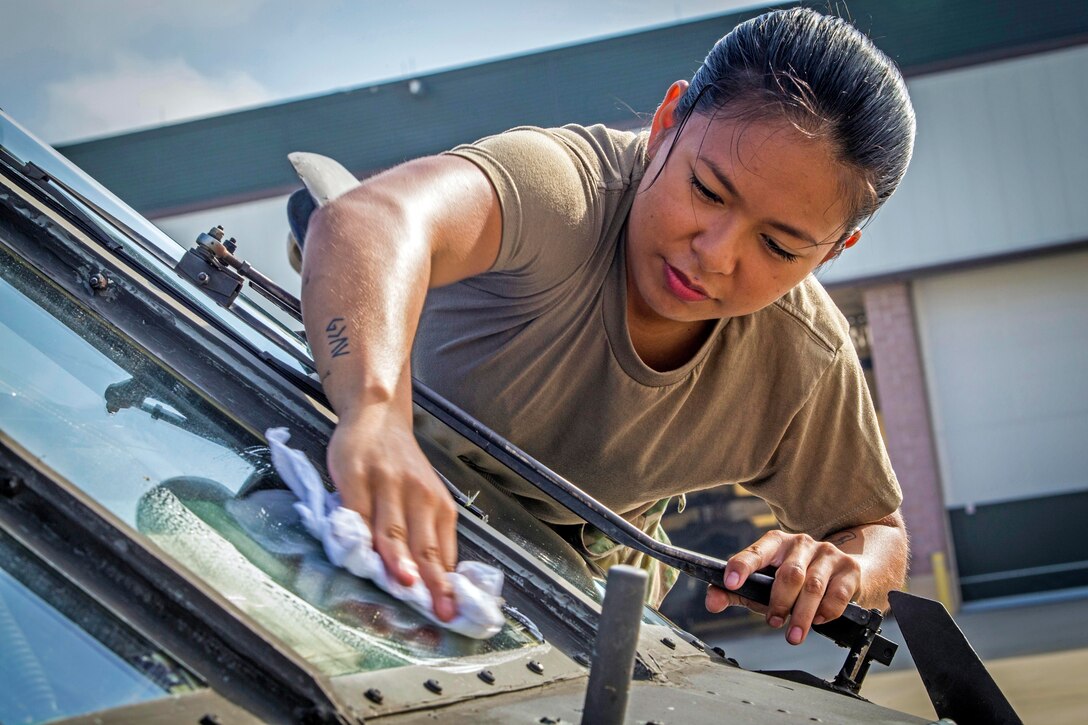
(365, 275)
(882, 550)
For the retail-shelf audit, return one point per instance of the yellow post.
(942, 580)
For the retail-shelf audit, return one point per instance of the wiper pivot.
(213, 266)
(202, 266)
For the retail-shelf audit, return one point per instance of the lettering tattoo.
(842, 537)
(336, 333)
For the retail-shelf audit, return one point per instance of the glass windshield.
(63, 655)
(109, 418)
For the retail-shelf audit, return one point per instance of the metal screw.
(9, 484)
(668, 642)
(217, 232)
(487, 676)
(536, 667)
(719, 651)
(433, 686)
(202, 278)
(374, 695)
(209, 719)
(698, 646)
(99, 281)
(582, 658)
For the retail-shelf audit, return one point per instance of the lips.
(682, 287)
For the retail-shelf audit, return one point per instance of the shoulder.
(560, 192)
(808, 309)
(606, 156)
(619, 156)
(804, 326)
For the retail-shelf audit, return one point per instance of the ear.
(847, 243)
(665, 116)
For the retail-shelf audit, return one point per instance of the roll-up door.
(1005, 350)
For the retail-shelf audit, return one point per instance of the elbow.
(351, 229)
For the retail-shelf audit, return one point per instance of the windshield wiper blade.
(50, 185)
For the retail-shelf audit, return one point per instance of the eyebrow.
(724, 180)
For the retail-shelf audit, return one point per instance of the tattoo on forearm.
(336, 333)
(842, 537)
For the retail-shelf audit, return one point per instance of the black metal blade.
(955, 678)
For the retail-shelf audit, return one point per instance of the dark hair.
(828, 80)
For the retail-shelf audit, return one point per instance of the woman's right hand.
(380, 471)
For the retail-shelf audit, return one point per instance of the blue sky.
(74, 69)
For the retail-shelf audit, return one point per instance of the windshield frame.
(240, 382)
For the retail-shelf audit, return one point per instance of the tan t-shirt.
(537, 348)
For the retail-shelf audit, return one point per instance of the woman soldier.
(636, 311)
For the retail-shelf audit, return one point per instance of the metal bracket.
(212, 266)
(202, 266)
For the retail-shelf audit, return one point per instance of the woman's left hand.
(814, 583)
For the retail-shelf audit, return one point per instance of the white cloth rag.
(477, 587)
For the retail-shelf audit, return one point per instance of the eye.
(703, 191)
(773, 248)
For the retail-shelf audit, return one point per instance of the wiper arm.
(858, 629)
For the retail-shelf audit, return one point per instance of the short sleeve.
(549, 190)
(831, 470)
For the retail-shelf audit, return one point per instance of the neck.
(664, 344)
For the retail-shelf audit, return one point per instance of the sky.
(78, 69)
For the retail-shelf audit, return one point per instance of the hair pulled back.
(828, 80)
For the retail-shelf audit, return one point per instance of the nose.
(718, 248)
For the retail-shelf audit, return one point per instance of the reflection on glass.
(51, 668)
(114, 422)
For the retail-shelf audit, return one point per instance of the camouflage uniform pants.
(606, 553)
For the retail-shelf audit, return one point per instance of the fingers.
(763, 553)
(717, 599)
(813, 584)
(412, 517)
(821, 580)
(415, 533)
(789, 583)
(427, 548)
(390, 533)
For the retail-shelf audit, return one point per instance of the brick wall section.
(897, 367)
